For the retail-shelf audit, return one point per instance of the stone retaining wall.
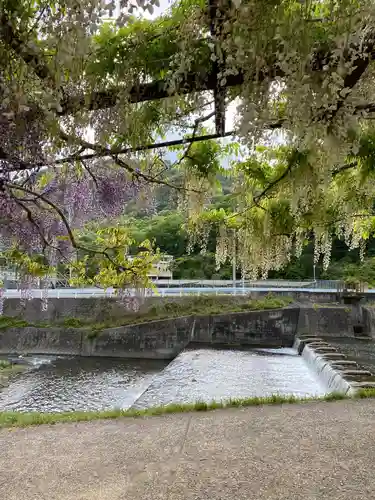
(30, 340)
(273, 328)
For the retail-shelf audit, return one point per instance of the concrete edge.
(348, 375)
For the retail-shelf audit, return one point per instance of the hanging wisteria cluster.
(307, 74)
(301, 67)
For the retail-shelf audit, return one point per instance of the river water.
(197, 374)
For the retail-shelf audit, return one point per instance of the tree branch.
(35, 224)
(73, 241)
(32, 58)
(264, 192)
(107, 153)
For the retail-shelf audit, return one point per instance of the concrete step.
(307, 341)
(333, 356)
(323, 349)
(359, 378)
(344, 365)
(359, 373)
(363, 385)
(316, 343)
(303, 336)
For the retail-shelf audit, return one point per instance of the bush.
(73, 322)
(4, 364)
(12, 322)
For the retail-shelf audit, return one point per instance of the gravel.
(307, 451)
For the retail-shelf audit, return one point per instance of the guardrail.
(172, 287)
(61, 293)
(173, 283)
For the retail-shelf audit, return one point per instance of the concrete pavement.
(306, 452)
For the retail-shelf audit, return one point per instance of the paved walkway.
(310, 451)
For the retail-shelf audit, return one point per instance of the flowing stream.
(56, 384)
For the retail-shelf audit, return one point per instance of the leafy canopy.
(85, 99)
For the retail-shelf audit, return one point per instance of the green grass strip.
(20, 419)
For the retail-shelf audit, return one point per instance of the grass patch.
(365, 393)
(12, 322)
(72, 323)
(19, 419)
(8, 370)
(4, 364)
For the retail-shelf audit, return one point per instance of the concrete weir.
(163, 339)
(166, 338)
(340, 375)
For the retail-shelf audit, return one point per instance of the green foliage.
(4, 364)
(200, 266)
(366, 393)
(320, 182)
(164, 230)
(72, 322)
(107, 257)
(29, 265)
(94, 332)
(144, 46)
(12, 322)
(354, 271)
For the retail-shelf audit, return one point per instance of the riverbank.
(288, 452)
(20, 419)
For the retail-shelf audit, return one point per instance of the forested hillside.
(166, 227)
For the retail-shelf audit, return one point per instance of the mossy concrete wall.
(30, 340)
(155, 340)
(95, 309)
(164, 339)
(103, 309)
(330, 321)
(368, 318)
(158, 339)
(272, 328)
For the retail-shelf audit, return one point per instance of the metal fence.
(62, 282)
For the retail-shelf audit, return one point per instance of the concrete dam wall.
(164, 339)
(158, 339)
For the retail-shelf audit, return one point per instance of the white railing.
(164, 292)
(62, 282)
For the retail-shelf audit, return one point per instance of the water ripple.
(64, 384)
